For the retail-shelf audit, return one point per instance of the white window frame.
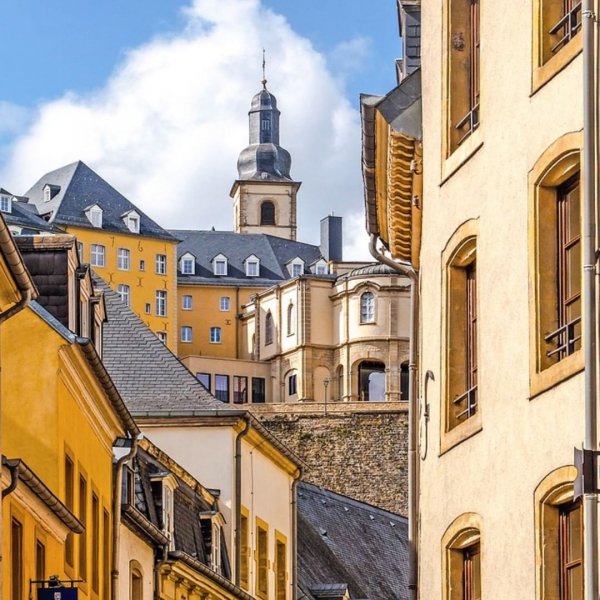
(97, 255)
(252, 266)
(94, 215)
(225, 304)
(132, 221)
(187, 264)
(160, 264)
(321, 268)
(160, 304)
(47, 193)
(216, 335)
(5, 204)
(162, 336)
(296, 265)
(123, 259)
(186, 302)
(186, 334)
(124, 292)
(368, 314)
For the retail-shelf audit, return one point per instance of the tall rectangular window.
(186, 302)
(566, 338)
(215, 335)
(262, 560)
(258, 390)
(123, 259)
(95, 543)
(222, 388)
(571, 551)
(124, 293)
(69, 501)
(280, 571)
(83, 539)
(161, 303)
(106, 552)
(224, 303)
(240, 390)
(464, 71)
(16, 560)
(245, 551)
(161, 264)
(97, 255)
(186, 333)
(40, 560)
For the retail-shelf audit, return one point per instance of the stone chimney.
(331, 238)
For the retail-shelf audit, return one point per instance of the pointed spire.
(264, 79)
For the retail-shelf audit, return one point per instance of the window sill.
(543, 74)
(460, 433)
(462, 155)
(557, 373)
(368, 323)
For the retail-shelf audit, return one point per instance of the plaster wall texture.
(495, 472)
(359, 454)
(135, 552)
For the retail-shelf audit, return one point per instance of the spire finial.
(264, 79)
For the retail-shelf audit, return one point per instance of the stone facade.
(358, 450)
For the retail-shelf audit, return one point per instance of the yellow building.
(131, 252)
(61, 416)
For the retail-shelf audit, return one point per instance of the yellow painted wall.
(143, 283)
(206, 313)
(51, 404)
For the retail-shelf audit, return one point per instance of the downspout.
(15, 308)
(294, 549)
(118, 480)
(413, 414)
(157, 568)
(14, 480)
(238, 498)
(590, 500)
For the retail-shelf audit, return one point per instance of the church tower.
(264, 195)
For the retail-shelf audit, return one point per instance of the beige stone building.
(320, 338)
(498, 264)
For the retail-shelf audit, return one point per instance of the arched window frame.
(367, 307)
(460, 543)
(558, 164)
(290, 319)
(267, 213)
(268, 328)
(136, 589)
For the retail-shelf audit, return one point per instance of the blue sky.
(154, 94)
(51, 46)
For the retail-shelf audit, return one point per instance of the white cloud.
(167, 127)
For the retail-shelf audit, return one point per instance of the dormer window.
(252, 266)
(94, 215)
(220, 264)
(213, 522)
(164, 489)
(187, 264)
(5, 204)
(132, 221)
(320, 267)
(296, 267)
(50, 191)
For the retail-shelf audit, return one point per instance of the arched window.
(404, 381)
(290, 319)
(371, 381)
(367, 307)
(136, 581)
(268, 329)
(267, 213)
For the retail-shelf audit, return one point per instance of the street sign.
(57, 593)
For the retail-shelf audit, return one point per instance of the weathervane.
(264, 79)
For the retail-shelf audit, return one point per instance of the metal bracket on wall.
(586, 463)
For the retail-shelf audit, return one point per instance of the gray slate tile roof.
(342, 540)
(79, 187)
(273, 252)
(147, 374)
(25, 216)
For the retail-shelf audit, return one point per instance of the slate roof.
(25, 216)
(273, 252)
(342, 540)
(79, 187)
(369, 270)
(147, 374)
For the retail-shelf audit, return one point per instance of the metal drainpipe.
(20, 305)
(590, 501)
(157, 567)
(114, 593)
(294, 548)
(413, 415)
(238, 498)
